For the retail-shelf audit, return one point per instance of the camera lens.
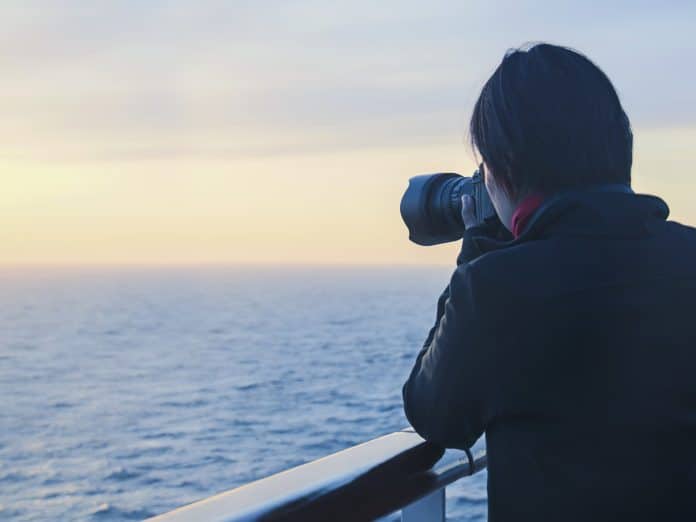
(432, 206)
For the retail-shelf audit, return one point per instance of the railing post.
(429, 508)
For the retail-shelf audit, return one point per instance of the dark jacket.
(573, 348)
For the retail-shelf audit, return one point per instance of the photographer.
(567, 333)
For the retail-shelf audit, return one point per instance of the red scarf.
(524, 212)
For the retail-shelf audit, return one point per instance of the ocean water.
(128, 392)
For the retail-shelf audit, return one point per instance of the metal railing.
(398, 471)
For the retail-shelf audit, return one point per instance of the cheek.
(490, 187)
(494, 193)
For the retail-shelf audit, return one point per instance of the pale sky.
(285, 131)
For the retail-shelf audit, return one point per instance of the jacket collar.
(598, 211)
(604, 211)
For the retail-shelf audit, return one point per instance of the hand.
(468, 211)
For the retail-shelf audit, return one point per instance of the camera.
(431, 207)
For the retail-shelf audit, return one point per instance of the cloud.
(130, 80)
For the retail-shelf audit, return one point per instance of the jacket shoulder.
(556, 265)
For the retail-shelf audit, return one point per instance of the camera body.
(431, 207)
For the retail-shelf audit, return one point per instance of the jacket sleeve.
(443, 396)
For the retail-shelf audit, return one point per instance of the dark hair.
(548, 119)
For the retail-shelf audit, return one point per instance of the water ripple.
(129, 393)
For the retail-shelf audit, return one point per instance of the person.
(567, 333)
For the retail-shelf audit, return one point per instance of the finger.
(468, 210)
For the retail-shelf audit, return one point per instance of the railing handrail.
(362, 482)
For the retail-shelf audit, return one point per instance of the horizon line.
(213, 264)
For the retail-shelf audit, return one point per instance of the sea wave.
(128, 393)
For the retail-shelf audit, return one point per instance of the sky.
(284, 132)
